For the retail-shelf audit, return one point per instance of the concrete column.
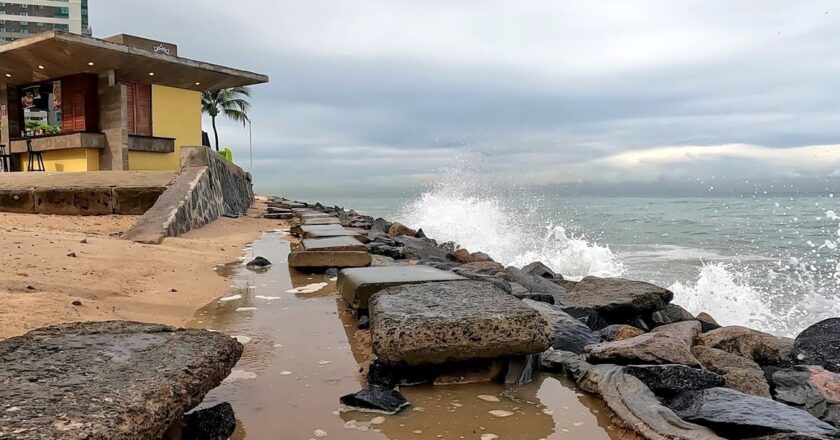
(9, 124)
(113, 121)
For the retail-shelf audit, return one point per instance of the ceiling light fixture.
(151, 73)
(90, 63)
(198, 83)
(8, 75)
(41, 67)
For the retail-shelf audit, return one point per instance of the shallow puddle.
(302, 353)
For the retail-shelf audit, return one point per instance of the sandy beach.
(67, 268)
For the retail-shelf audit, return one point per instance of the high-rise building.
(24, 18)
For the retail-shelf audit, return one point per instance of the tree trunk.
(215, 132)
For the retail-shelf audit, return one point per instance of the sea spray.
(512, 235)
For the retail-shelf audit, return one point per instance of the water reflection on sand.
(303, 352)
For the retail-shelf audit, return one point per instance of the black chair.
(5, 160)
(35, 158)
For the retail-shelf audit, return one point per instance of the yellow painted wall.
(176, 113)
(75, 159)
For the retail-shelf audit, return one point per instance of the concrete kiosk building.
(89, 104)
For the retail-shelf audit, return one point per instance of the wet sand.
(303, 353)
(48, 263)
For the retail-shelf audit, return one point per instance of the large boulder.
(741, 374)
(636, 407)
(481, 267)
(763, 348)
(421, 249)
(535, 284)
(462, 256)
(435, 323)
(670, 314)
(649, 348)
(538, 269)
(586, 315)
(737, 415)
(686, 331)
(619, 301)
(106, 380)
(819, 344)
(811, 388)
(569, 334)
(670, 380)
(399, 230)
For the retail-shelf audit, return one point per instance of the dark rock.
(619, 301)
(811, 388)
(462, 256)
(71, 254)
(331, 272)
(230, 215)
(258, 263)
(539, 269)
(451, 321)
(649, 348)
(686, 331)
(819, 344)
(377, 399)
(442, 265)
(421, 249)
(670, 314)
(214, 423)
(76, 303)
(566, 363)
(520, 369)
(569, 334)
(707, 323)
(482, 267)
(107, 380)
(670, 380)
(619, 332)
(737, 415)
(496, 281)
(763, 348)
(364, 322)
(378, 248)
(381, 375)
(636, 408)
(449, 246)
(420, 234)
(741, 374)
(540, 297)
(480, 256)
(382, 225)
(535, 284)
(586, 315)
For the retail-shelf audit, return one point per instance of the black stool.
(5, 160)
(33, 157)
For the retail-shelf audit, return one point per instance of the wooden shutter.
(144, 110)
(139, 109)
(79, 104)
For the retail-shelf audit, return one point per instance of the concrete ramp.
(207, 188)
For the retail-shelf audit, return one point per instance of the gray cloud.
(380, 94)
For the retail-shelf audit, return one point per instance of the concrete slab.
(333, 244)
(357, 285)
(328, 259)
(313, 214)
(322, 231)
(279, 215)
(321, 221)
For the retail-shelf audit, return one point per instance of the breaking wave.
(512, 235)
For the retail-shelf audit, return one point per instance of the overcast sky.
(370, 94)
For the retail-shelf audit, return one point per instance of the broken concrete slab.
(327, 259)
(320, 221)
(322, 231)
(279, 216)
(452, 321)
(333, 244)
(106, 380)
(357, 285)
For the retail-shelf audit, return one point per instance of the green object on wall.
(227, 154)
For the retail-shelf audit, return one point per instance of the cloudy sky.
(383, 94)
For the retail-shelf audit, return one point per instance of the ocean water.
(769, 262)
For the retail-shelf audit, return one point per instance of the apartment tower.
(24, 18)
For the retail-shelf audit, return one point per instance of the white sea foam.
(309, 288)
(485, 224)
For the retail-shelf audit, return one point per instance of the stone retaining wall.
(208, 187)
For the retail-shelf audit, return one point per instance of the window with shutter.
(139, 109)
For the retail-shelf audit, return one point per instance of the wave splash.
(512, 235)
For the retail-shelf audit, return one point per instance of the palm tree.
(231, 103)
